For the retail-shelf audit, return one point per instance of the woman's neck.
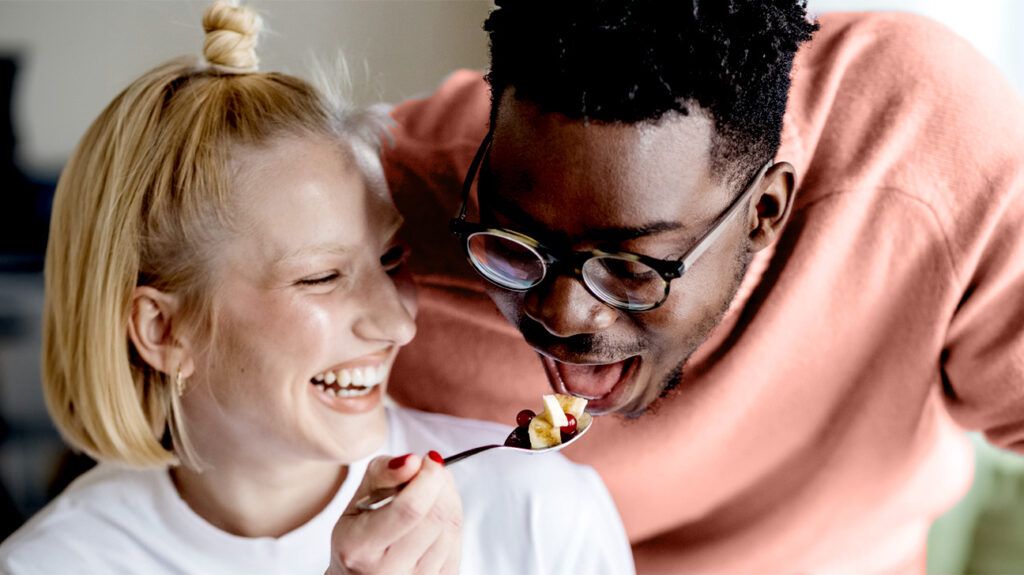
(266, 501)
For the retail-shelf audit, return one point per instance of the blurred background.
(61, 62)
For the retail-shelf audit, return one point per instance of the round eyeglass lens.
(506, 262)
(623, 282)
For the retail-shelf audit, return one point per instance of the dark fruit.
(520, 437)
(524, 417)
(569, 428)
(567, 436)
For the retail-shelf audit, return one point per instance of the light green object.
(984, 533)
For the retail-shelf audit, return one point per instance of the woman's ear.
(153, 327)
(774, 203)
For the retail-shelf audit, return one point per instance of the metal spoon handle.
(378, 498)
(467, 453)
(381, 497)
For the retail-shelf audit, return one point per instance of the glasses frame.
(668, 269)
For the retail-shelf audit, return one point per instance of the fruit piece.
(569, 427)
(571, 404)
(524, 417)
(543, 434)
(520, 437)
(562, 419)
(583, 422)
(553, 411)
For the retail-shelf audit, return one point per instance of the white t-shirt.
(522, 514)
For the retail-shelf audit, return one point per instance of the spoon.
(381, 497)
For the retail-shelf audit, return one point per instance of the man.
(788, 306)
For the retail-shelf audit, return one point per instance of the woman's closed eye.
(320, 279)
(394, 258)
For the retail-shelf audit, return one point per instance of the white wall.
(77, 55)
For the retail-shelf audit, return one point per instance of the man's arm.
(433, 141)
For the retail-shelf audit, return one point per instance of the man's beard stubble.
(670, 383)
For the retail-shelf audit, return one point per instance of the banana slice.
(571, 404)
(583, 421)
(543, 434)
(553, 411)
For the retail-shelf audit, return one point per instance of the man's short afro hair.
(633, 61)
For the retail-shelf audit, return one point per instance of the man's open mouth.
(606, 386)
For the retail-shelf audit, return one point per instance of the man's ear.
(772, 205)
(154, 328)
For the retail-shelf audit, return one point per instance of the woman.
(225, 296)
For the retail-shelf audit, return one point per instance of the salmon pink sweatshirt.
(820, 427)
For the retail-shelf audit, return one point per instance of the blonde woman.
(224, 298)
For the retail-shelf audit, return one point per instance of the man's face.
(642, 188)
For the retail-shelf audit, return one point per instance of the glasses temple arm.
(467, 183)
(716, 230)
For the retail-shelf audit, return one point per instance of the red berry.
(524, 417)
(520, 437)
(569, 428)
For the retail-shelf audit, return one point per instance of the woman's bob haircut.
(144, 200)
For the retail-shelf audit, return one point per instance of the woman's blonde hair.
(144, 200)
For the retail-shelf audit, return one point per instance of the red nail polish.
(436, 457)
(398, 461)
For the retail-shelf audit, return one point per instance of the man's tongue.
(590, 381)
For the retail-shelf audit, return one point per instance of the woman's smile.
(352, 387)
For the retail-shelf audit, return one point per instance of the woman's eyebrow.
(390, 230)
(327, 248)
(393, 228)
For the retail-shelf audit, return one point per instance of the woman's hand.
(419, 532)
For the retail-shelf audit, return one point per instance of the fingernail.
(398, 461)
(436, 457)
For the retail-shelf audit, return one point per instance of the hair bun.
(231, 33)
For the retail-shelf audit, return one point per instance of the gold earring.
(179, 383)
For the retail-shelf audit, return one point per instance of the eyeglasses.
(623, 280)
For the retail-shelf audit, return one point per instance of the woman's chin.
(355, 436)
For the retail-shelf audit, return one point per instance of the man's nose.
(385, 317)
(565, 308)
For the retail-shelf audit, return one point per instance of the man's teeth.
(352, 382)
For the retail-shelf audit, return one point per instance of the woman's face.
(312, 304)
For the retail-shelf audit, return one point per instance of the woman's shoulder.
(95, 511)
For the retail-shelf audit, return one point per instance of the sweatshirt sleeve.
(983, 362)
(431, 146)
(900, 102)
(972, 142)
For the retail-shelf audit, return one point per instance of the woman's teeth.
(354, 382)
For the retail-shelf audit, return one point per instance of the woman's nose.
(565, 308)
(386, 317)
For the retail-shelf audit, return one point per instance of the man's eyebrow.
(615, 234)
(609, 234)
